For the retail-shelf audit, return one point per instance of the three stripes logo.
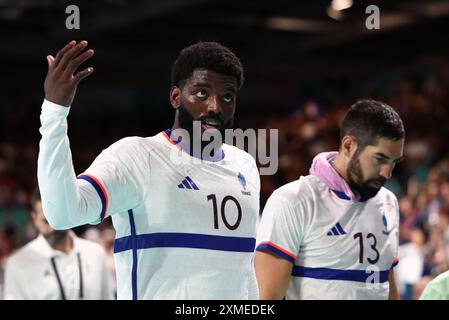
(187, 183)
(337, 230)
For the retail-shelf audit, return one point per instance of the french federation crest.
(385, 231)
(242, 180)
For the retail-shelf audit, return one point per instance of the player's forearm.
(58, 185)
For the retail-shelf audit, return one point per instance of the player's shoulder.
(437, 288)
(314, 184)
(440, 281)
(385, 195)
(134, 142)
(238, 154)
(296, 191)
(133, 145)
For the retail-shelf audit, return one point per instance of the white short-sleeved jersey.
(183, 230)
(340, 249)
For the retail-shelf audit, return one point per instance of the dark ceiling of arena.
(138, 40)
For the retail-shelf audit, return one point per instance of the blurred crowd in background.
(421, 182)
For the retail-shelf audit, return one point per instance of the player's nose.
(386, 171)
(214, 105)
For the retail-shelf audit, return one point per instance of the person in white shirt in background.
(409, 272)
(105, 238)
(57, 265)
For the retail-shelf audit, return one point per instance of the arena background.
(305, 64)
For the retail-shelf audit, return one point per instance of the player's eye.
(228, 98)
(380, 160)
(201, 93)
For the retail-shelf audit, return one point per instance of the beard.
(186, 123)
(365, 188)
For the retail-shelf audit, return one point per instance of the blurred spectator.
(408, 218)
(410, 269)
(57, 265)
(105, 238)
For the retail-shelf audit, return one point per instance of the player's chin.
(375, 185)
(371, 192)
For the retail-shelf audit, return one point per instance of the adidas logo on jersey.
(187, 183)
(337, 230)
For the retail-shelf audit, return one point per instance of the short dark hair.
(35, 197)
(206, 55)
(368, 120)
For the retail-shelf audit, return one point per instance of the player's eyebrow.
(231, 88)
(228, 87)
(201, 84)
(384, 156)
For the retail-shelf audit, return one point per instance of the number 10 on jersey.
(223, 206)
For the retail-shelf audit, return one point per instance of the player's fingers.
(50, 61)
(70, 54)
(82, 74)
(76, 62)
(63, 51)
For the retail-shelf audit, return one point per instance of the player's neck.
(192, 143)
(339, 164)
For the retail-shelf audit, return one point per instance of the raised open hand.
(61, 81)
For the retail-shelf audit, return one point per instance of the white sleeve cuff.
(49, 107)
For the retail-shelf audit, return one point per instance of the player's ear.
(348, 146)
(175, 97)
(33, 215)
